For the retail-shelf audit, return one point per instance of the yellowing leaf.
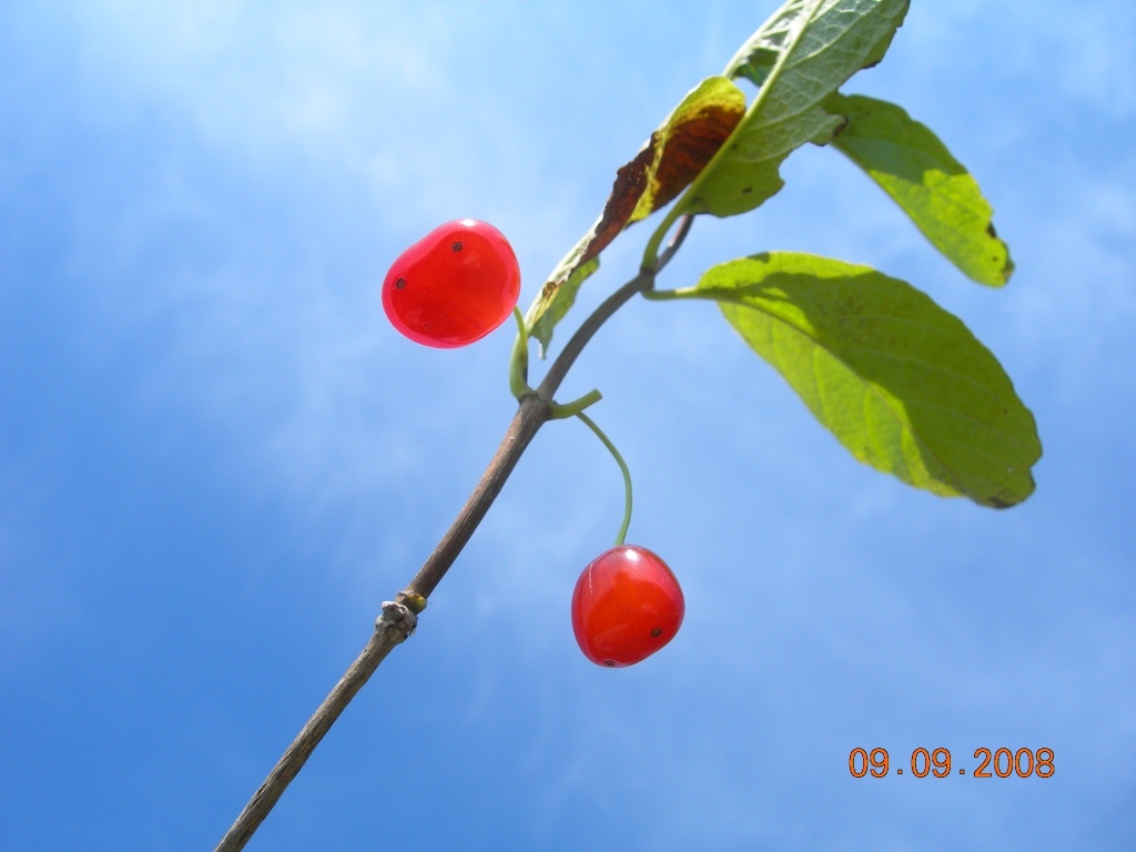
(902, 383)
(914, 167)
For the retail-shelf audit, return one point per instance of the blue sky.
(217, 459)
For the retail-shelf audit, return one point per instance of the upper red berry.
(626, 606)
(453, 286)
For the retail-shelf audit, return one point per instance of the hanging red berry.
(626, 606)
(453, 286)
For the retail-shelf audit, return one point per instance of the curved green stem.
(519, 362)
(623, 469)
(558, 411)
(652, 262)
(651, 250)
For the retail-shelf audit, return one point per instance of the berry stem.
(591, 424)
(519, 362)
(558, 411)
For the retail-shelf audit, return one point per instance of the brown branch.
(399, 617)
(393, 627)
(532, 414)
(397, 622)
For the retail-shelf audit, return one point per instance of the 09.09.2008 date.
(1023, 763)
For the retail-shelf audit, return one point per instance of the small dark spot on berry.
(609, 663)
(746, 190)
(657, 631)
(456, 245)
(400, 283)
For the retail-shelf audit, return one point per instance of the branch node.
(397, 619)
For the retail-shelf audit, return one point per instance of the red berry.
(626, 606)
(453, 286)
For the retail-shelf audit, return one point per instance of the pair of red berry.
(451, 288)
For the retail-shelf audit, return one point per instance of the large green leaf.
(804, 53)
(664, 166)
(915, 168)
(902, 383)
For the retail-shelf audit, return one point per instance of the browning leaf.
(693, 135)
(631, 181)
(671, 158)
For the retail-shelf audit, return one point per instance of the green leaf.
(902, 383)
(804, 53)
(664, 167)
(558, 296)
(914, 167)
